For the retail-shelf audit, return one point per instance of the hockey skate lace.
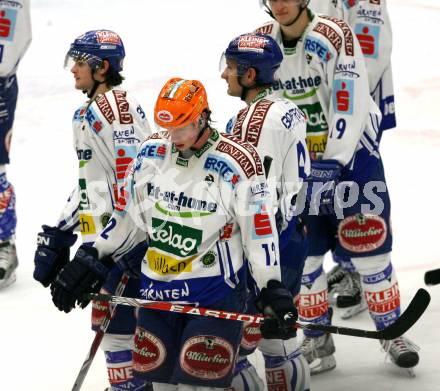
(351, 286)
(398, 346)
(335, 275)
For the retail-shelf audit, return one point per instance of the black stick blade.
(413, 312)
(409, 317)
(432, 277)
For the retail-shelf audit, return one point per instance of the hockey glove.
(131, 262)
(280, 314)
(321, 185)
(84, 274)
(52, 253)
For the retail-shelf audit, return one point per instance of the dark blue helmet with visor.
(93, 47)
(258, 51)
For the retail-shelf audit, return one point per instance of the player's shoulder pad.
(155, 147)
(266, 28)
(328, 38)
(241, 154)
(285, 112)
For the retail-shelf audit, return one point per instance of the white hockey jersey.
(371, 23)
(277, 129)
(15, 34)
(107, 132)
(326, 77)
(203, 215)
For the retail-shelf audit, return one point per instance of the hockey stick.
(99, 336)
(413, 312)
(432, 277)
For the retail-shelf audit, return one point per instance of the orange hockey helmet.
(179, 102)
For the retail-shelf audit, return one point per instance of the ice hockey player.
(277, 129)
(371, 24)
(324, 73)
(15, 37)
(201, 197)
(107, 130)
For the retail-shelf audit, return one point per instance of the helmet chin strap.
(199, 143)
(245, 89)
(95, 86)
(301, 10)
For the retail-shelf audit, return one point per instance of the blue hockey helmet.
(258, 51)
(95, 46)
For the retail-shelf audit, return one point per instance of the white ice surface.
(42, 349)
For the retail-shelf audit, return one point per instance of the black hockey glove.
(280, 315)
(131, 262)
(52, 253)
(84, 274)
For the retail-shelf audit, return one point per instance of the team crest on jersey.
(104, 219)
(209, 259)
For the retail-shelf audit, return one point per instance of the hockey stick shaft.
(99, 335)
(414, 311)
(432, 277)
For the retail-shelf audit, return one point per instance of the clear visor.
(225, 65)
(178, 134)
(74, 57)
(222, 63)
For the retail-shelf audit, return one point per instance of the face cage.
(74, 56)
